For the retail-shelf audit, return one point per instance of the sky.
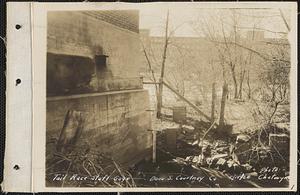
(183, 15)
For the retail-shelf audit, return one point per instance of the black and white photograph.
(169, 95)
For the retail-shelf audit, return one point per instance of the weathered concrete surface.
(67, 74)
(77, 33)
(93, 61)
(76, 39)
(116, 124)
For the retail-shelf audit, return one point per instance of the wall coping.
(76, 96)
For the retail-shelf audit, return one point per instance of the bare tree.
(164, 56)
(239, 56)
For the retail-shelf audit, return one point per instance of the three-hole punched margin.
(18, 81)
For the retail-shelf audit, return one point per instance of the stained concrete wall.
(116, 123)
(113, 102)
(87, 34)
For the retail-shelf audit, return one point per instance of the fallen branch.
(187, 101)
(120, 172)
(63, 183)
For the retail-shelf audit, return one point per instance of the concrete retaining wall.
(75, 39)
(116, 123)
(92, 66)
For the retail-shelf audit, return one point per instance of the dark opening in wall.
(67, 74)
(101, 61)
(102, 69)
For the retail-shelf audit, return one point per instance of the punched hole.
(16, 167)
(18, 26)
(18, 81)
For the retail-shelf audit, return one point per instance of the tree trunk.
(159, 99)
(241, 90)
(235, 84)
(213, 102)
(248, 84)
(223, 101)
(242, 76)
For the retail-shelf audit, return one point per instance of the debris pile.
(247, 152)
(84, 167)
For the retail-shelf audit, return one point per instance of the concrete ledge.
(55, 98)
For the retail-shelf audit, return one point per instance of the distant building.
(197, 59)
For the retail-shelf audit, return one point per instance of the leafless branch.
(284, 20)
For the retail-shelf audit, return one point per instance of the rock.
(179, 160)
(189, 158)
(188, 128)
(263, 153)
(247, 167)
(242, 151)
(237, 168)
(220, 156)
(279, 145)
(196, 142)
(230, 163)
(222, 149)
(242, 138)
(283, 126)
(233, 167)
(278, 139)
(206, 150)
(196, 159)
(204, 143)
(215, 159)
(180, 136)
(253, 174)
(221, 164)
(209, 161)
(221, 161)
(220, 143)
(204, 162)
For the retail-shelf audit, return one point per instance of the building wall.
(87, 34)
(116, 123)
(111, 98)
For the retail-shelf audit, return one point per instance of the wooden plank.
(187, 101)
